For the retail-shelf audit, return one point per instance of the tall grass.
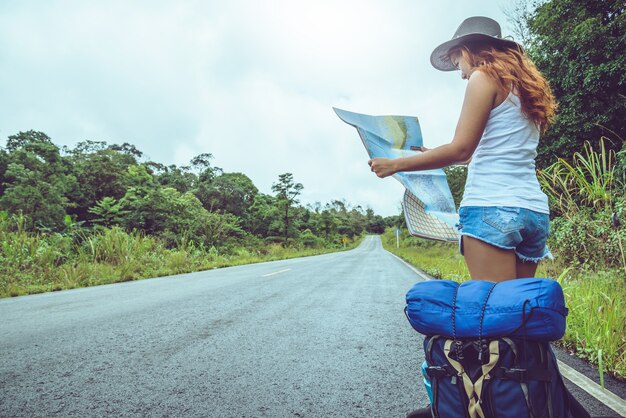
(37, 262)
(589, 199)
(588, 181)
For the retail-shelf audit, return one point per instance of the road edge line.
(605, 396)
(415, 270)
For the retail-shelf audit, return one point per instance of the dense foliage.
(580, 46)
(96, 185)
(456, 175)
(588, 204)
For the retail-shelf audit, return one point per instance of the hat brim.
(441, 60)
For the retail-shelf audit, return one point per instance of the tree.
(342, 217)
(229, 192)
(580, 47)
(397, 221)
(264, 217)
(220, 229)
(4, 162)
(329, 223)
(139, 178)
(109, 212)
(287, 193)
(166, 212)
(100, 171)
(357, 222)
(202, 163)
(179, 178)
(456, 176)
(376, 225)
(36, 181)
(518, 13)
(127, 149)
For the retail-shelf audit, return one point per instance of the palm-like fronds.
(588, 181)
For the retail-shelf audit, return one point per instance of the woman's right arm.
(479, 98)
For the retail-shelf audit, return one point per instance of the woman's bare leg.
(486, 262)
(526, 269)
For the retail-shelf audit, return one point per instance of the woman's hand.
(383, 167)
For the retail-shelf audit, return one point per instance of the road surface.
(317, 337)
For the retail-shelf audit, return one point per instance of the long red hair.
(514, 71)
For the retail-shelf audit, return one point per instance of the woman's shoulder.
(482, 85)
(483, 81)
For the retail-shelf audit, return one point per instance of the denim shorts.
(511, 228)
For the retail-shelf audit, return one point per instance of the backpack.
(504, 369)
(495, 378)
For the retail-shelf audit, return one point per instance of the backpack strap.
(474, 390)
(494, 357)
(523, 384)
(468, 385)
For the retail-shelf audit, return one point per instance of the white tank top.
(502, 170)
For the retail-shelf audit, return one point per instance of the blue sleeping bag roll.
(526, 308)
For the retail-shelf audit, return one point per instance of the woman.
(503, 217)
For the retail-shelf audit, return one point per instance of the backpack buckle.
(458, 350)
(483, 351)
(519, 375)
(438, 372)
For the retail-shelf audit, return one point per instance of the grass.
(440, 261)
(596, 300)
(589, 180)
(35, 263)
(597, 318)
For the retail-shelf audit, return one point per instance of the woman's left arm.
(479, 99)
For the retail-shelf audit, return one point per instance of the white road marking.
(606, 397)
(416, 271)
(276, 272)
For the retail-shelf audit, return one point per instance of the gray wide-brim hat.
(477, 29)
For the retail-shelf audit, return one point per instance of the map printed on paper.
(428, 205)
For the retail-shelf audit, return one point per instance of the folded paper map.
(427, 204)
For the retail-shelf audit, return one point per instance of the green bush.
(589, 238)
(587, 201)
(309, 240)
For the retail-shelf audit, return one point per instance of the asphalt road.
(317, 337)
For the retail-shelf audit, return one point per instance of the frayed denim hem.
(547, 255)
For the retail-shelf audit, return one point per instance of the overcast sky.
(251, 82)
